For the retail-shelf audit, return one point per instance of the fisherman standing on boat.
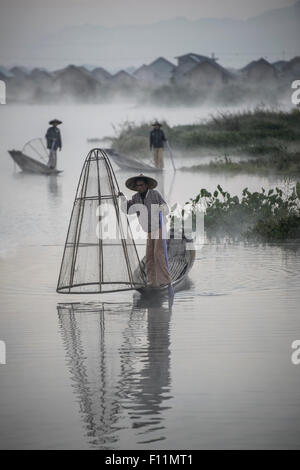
(153, 203)
(157, 139)
(54, 142)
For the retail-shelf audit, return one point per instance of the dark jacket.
(157, 139)
(154, 203)
(53, 133)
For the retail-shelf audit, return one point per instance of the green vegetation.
(270, 137)
(255, 132)
(264, 216)
(281, 161)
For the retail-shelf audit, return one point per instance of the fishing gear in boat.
(95, 261)
(33, 158)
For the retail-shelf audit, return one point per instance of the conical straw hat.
(131, 182)
(55, 121)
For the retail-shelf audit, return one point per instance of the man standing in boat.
(157, 139)
(151, 200)
(54, 142)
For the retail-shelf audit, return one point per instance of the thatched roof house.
(292, 68)
(76, 82)
(142, 73)
(41, 76)
(159, 72)
(123, 79)
(19, 71)
(186, 63)
(192, 58)
(206, 74)
(102, 75)
(259, 71)
(279, 64)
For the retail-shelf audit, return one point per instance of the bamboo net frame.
(90, 263)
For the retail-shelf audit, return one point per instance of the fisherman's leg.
(161, 268)
(151, 279)
(54, 159)
(49, 159)
(156, 162)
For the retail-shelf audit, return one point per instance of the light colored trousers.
(156, 266)
(52, 159)
(158, 158)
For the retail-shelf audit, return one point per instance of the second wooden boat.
(33, 158)
(132, 164)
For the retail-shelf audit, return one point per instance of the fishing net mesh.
(37, 150)
(100, 254)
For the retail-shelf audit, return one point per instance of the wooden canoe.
(30, 165)
(181, 259)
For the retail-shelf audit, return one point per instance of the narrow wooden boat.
(33, 158)
(30, 165)
(132, 164)
(181, 254)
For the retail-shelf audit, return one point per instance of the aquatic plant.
(272, 215)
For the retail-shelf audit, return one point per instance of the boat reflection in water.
(119, 360)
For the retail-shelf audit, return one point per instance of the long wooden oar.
(163, 233)
(171, 155)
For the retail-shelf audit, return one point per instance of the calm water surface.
(117, 371)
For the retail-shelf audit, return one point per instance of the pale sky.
(44, 15)
(24, 23)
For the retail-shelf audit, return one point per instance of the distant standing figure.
(53, 142)
(157, 139)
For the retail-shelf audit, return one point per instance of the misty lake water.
(116, 371)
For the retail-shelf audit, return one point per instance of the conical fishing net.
(36, 149)
(95, 364)
(100, 254)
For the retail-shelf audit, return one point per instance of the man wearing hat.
(151, 200)
(53, 142)
(157, 139)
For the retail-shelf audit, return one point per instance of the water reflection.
(118, 357)
(54, 187)
(33, 185)
(145, 357)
